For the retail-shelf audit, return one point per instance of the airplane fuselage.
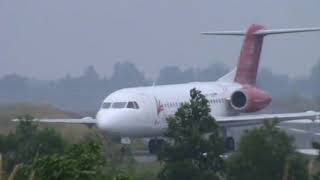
(156, 104)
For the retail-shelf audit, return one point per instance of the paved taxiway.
(304, 135)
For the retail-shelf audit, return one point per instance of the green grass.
(72, 132)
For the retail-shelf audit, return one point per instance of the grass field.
(8, 112)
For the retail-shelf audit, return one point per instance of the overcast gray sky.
(48, 38)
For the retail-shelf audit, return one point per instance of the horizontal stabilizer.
(263, 32)
(284, 31)
(227, 33)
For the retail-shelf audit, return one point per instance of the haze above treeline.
(86, 92)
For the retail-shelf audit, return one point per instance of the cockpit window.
(136, 105)
(106, 105)
(132, 105)
(119, 105)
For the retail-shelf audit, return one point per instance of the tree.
(29, 141)
(316, 145)
(82, 161)
(194, 146)
(174, 75)
(263, 154)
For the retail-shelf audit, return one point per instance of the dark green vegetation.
(84, 160)
(38, 149)
(316, 175)
(47, 155)
(264, 153)
(191, 152)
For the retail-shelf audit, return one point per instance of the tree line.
(87, 90)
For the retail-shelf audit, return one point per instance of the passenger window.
(106, 105)
(118, 105)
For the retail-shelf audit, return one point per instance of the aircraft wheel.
(125, 150)
(230, 144)
(155, 145)
(152, 146)
(160, 144)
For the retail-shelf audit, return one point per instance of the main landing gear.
(155, 145)
(228, 139)
(230, 144)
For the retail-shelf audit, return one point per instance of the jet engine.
(249, 99)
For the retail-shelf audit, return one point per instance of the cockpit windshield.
(133, 105)
(120, 105)
(106, 105)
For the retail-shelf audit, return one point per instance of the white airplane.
(142, 111)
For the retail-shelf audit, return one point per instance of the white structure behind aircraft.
(142, 111)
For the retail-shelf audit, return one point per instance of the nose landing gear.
(230, 144)
(228, 139)
(155, 145)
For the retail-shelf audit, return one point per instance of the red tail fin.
(250, 56)
(250, 53)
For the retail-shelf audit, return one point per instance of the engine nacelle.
(249, 99)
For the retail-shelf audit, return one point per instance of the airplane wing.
(310, 152)
(86, 120)
(247, 120)
(303, 122)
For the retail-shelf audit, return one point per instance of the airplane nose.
(113, 122)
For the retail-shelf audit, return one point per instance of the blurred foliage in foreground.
(266, 153)
(42, 153)
(36, 153)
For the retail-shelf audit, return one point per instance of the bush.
(263, 154)
(84, 160)
(27, 142)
